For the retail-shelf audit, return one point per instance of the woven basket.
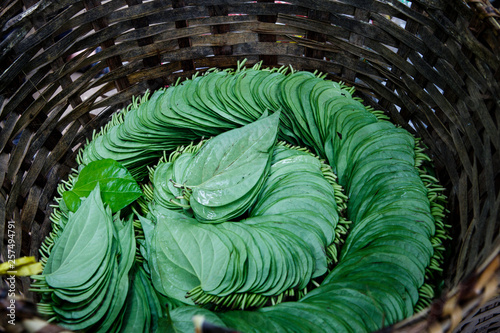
(432, 65)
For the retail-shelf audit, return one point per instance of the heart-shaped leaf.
(118, 187)
(231, 165)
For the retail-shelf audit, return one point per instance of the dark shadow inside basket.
(432, 66)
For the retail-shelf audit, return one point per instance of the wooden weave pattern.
(433, 66)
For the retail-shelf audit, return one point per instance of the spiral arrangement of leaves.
(372, 265)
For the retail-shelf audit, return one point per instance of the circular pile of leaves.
(196, 258)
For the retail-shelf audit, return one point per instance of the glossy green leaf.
(118, 187)
(231, 165)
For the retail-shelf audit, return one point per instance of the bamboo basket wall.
(432, 65)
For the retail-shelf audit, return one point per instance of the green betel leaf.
(181, 265)
(86, 240)
(72, 200)
(118, 187)
(231, 165)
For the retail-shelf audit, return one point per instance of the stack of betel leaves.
(265, 201)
